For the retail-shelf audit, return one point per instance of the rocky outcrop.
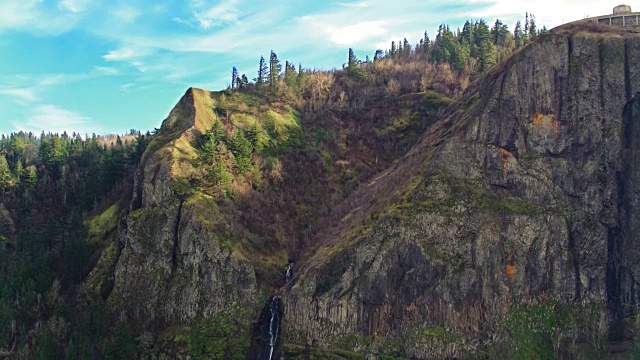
(526, 190)
(173, 266)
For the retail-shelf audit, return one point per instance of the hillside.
(391, 210)
(522, 195)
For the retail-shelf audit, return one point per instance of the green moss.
(103, 225)
(223, 336)
(542, 330)
(292, 351)
(433, 100)
(100, 281)
(466, 195)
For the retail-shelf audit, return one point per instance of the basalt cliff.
(521, 199)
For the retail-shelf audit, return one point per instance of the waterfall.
(274, 328)
(289, 272)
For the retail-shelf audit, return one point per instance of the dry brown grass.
(594, 27)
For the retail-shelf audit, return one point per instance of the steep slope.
(194, 248)
(526, 191)
(173, 267)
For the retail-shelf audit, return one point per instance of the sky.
(107, 66)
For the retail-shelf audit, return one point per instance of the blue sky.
(107, 66)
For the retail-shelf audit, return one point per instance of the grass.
(102, 225)
(292, 351)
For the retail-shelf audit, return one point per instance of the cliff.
(523, 194)
(173, 266)
(525, 191)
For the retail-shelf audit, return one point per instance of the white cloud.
(75, 6)
(126, 53)
(33, 17)
(125, 13)
(224, 12)
(357, 33)
(21, 94)
(54, 119)
(106, 70)
(360, 4)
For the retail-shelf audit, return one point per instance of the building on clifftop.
(622, 16)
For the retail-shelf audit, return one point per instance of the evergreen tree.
(18, 170)
(244, 81)
(486, 56)
(353, 65)
(533, 31)
(31, 178)
(290, 76)
(393, 49)
(241, 148)
(460, 55)
(499, 33)
(378, 55)
(481, 32)
(406, 48)
(274, 70)
(262, 73)
(6, 180)
(426, 43)
(234, 79)
(518, 35)
(467, 33)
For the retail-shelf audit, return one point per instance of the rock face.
(172, 267)
(527, 189)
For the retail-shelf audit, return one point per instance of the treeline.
(469, 51)
(472, 49)
(49, 184)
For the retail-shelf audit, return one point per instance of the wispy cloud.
(359, 4)
(106, 70)
(126, 53)
(351, 34)
(27, 90)
(33, 16)
(126, 13)
(209, 16)
(75, 6)
(54, 119)
(21, 94)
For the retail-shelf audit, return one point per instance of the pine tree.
(234, 78)
(244, 81)
(353, 65)
(378, 55)
(393, 49)
(290, 76)
(533, 32)
(262, 73)
(486, 56)
(499, 33)
(5, 175)
(406, 48)
(274, 70)
(481, 32)
(518, 35)
(241, 148)
(426, 44)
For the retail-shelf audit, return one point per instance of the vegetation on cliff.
(102, 239)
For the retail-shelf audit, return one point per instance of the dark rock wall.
(531, 194)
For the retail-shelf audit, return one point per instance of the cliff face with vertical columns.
(526, 191)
